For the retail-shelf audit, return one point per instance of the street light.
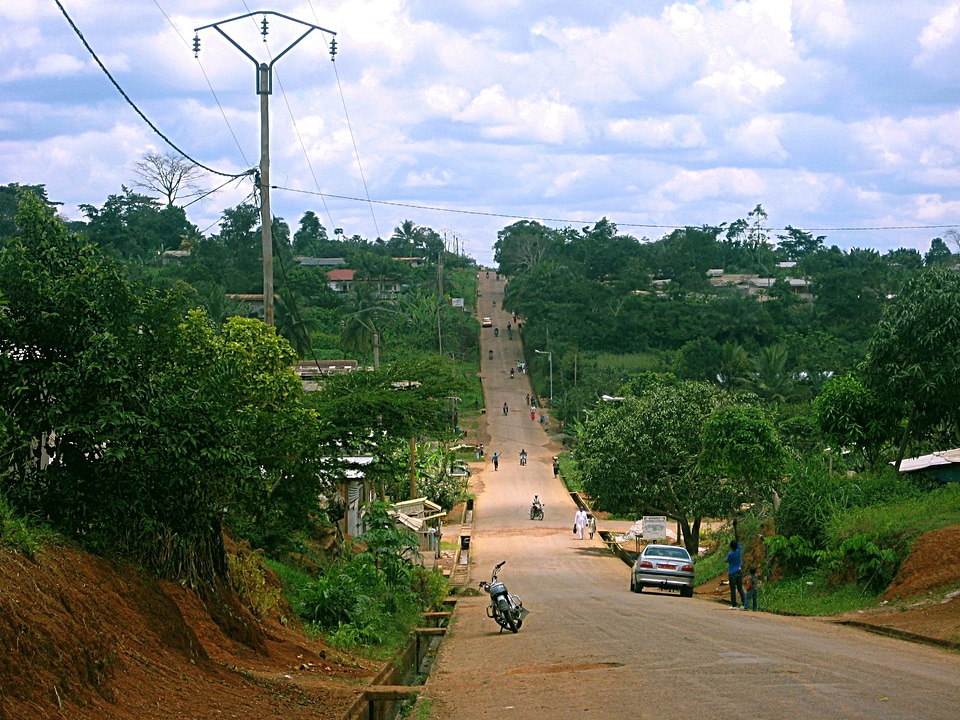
(549, 355)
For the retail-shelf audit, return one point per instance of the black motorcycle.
(536, 511)
(505, 608)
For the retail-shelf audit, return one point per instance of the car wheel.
(633, 588)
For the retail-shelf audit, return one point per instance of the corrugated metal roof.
(937, 459)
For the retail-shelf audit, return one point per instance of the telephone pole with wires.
(264, 90)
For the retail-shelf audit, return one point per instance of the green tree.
(849, 414)
(160, 427)
(136, 226)
(914, 355)
(741, 445)
(642, 456)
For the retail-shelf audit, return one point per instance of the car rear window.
(668, 552)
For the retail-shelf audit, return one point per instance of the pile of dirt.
(923, 601)
(83, 637)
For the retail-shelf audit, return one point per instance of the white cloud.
(939, 35)
(678, 131)
(822, 22)
(758, 138)
(536, 119)
(690, 186)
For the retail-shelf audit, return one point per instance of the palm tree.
(365, 311)
(770, 379)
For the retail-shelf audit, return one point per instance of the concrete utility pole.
(264, 90)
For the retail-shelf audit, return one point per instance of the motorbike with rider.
(536, 508)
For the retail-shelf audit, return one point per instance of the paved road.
(590, 646)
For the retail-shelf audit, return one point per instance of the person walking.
(750, 584)
(506, 409)
(580, 522)
(533, 413)
(496, 461)
(556, 466)
(735, 573)
(591, 524)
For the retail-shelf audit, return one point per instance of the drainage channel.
(399, 683)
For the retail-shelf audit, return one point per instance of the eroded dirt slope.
(83, 638)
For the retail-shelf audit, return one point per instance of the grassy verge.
(809, 595)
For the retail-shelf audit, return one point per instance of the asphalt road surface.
(592, 648)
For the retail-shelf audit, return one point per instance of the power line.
(134, 106)
(213, 92)
(562, 221)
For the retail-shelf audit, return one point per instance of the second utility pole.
(264, 89)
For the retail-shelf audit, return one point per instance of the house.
(943, 466)
(307, 261)
(311, 372)
(422, 517)
(748, 284)
(342, 280)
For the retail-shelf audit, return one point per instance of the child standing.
(750, 585)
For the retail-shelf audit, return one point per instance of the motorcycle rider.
(523, 457)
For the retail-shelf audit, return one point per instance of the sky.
(837, 116)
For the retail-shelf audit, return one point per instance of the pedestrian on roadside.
(735, 573)
(580, 522)
(496, 461)
(591, 524)
(481, 451)
(506, 409)
(556, 466)
(750, 584)
(543, 419)
(528, 398)
(533, 413)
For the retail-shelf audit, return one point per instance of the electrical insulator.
(333, 49)
(263, 28)
(196, 46)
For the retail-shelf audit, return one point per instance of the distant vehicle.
(486, 322)
(667, 567)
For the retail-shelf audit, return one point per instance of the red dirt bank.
(83, 638)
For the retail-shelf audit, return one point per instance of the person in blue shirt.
(735, 574)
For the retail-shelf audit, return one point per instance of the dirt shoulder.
(87, 638)
(921, 604)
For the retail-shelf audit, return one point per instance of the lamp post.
(264, 90)
(549, 355)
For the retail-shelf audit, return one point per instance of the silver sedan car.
(667, 567)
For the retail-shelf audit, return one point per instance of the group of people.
(737, 582)
(584, 521)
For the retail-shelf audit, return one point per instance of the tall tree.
(170, 174)
(914, 355)
(642, 456)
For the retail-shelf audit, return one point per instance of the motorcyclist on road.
(523, 457)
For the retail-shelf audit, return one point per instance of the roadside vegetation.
(786, 412)
(146, 415)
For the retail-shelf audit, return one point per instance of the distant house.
(254, 301)
(943, 466)
(307, 261)
(748, 284)
(312, 372)
(342, 280)
(174, 256)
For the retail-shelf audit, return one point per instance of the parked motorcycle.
(536, 511)
(505, 608)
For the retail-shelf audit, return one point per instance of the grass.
(20, 534)
(809, 595)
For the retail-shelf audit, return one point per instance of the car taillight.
(646, 564)
(687, 568)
